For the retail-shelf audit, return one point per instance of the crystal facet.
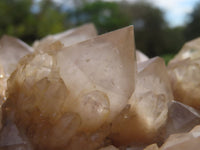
(11, 51)
(181, 118)
(68, 37)
(183, 141)
(140, 57)
(113, 54)
(60, 99)
(184, 72)
(147, 113)
(111, 147)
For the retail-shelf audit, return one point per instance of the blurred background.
(161, 26)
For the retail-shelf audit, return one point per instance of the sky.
(176, 11)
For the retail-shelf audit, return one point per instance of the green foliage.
(107, 16)
(152, 34)
(167, 57)
(18, 20)
(174, 39)
(149, 24)
(14, 16)
(50, 19)
(193, 27)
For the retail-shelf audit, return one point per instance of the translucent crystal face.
(68, 37)
(185, 81)
(181, 118)
(183, 141)
(114, 76)
(191, 50)
(184, 72)
(11, 51)
(148, 105)
(66, 97)
(140, 57)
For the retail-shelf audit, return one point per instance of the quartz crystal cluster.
(184, 72)
(79, 91)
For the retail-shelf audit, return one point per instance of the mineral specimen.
(80, 91)
(184, 72)
(147, 113)
(183, 141)
(190, 50)
(65, 98)
(3, 80)
(11, 51)
(112, 80)
(11, 139)
(140, 57)
(181, 118)
(111, 147)
(152, 147)
(68, 37)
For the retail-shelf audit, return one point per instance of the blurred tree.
(193, 26)
(50, 18)
(15, 16)
(149, 25)
(29, 20)
(174, 39)
(107, 16)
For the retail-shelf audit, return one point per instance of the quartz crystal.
(112, 80)
(140, 57)
(11, 51)
(152, 147)
(68, 37)
(190, 50)
(184, 72)
(147, 111)
(66, 97)
(111, 147)
(181, 118)
(183, 141)
(11, 139)
(3, 80)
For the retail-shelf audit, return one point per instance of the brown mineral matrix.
(141, 121)
(65, 98)
(184, 72)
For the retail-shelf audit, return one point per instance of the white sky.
(176, 11)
